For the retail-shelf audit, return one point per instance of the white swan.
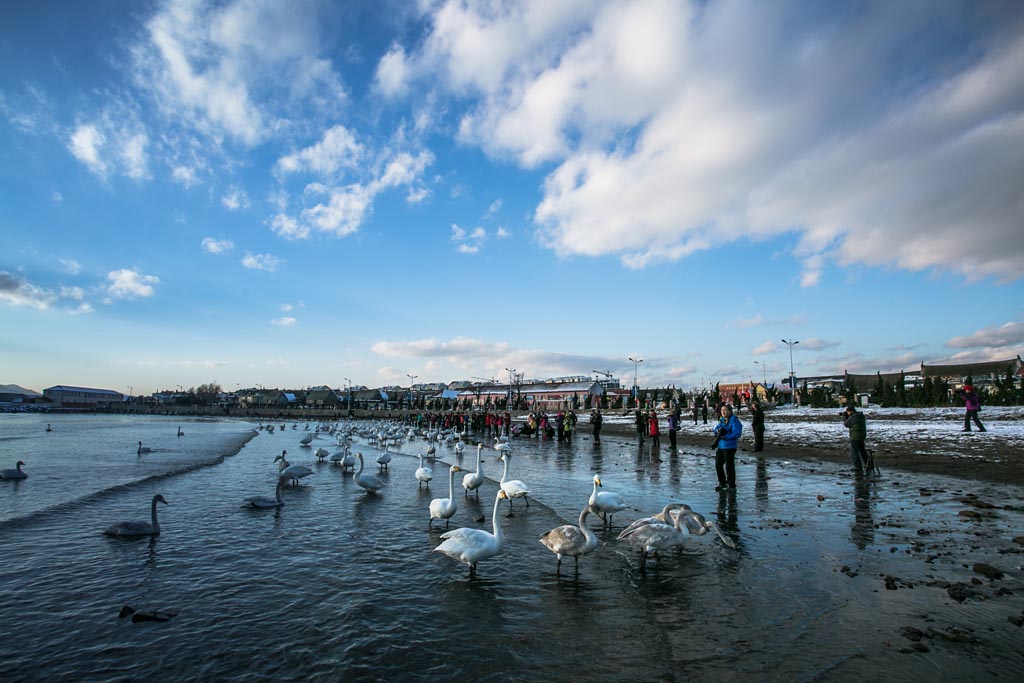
(501, 446)
(570, 541)
(128, 529)
(423, 473)
(371, 482)
(662, 517)
(459, 447)
(144, 449)
(384, 459)
(513, 488)
(472, 480)
(606, 503)
(445, 508)
(16, 473)
(306, 440)
(469, 546)
(290, 472)
(655, 537)
(264, 502)
(321, 453)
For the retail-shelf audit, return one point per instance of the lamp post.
(636, 392)
(764, 372)
(511, 371)
(349, 395)
(412, 381)
(792, 376)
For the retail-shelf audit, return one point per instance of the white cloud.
(391, 77)
(82, 309)
(1007, 334)
(267, 262)
(85, 145)
(494, 208)
(666, 136)
(277, 363)
(287, 227)
(56, 197)
(76, 293)
(468, 243)
(17, 291)
(127, 283)
(502, 233)
(235, 70)
(134, 158)
(337, 149)
(815, 344)
(286, 307)
(185, 175)
(285, 321)
(215, 246)
(417, 195)
(235, 199)
(71, 266)
(764, 348)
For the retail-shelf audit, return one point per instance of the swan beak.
(502, 494)
(597, 480)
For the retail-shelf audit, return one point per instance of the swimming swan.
(513, 488)
(606, 503)
(444, 508)
(469, 546)
(144, 449)
(290, 472)
(472, 480)
(129, 529)
(570, 541)
(266, 502)
(371, 482)
(16, 473)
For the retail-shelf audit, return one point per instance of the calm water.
(339, 585)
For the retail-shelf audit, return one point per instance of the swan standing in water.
(291, 472)
(655, 537)
(129, 529)
(662, 517)
(513, 488)
(306, 440)
(606, 503)
(570, 541)
(371, 482)
(321, 453)
(144, 449)
(469, 546)
(266, 502)
(473, 480)
(445, 508)
(16, 473)
(384, 459)
(423, 473)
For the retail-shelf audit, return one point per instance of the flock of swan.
(651, 535)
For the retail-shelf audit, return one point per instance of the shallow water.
(340, 585)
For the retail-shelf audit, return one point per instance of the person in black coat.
(757, 423)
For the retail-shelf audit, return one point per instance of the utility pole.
(636, 391)
(792, 375)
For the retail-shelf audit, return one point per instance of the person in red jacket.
(653, 432)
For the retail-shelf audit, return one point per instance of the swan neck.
(451, 484)
(152, 514)
(504, 472)
(498, 537)
(587, 533)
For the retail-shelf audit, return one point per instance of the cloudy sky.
(258, 192)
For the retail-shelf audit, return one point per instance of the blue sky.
(290, 194)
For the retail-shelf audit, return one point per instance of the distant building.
(982, 374)
(12, 393)
(81, 397)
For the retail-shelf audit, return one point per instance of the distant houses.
(81, 397)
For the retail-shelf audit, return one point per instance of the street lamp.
(349, 395)
(412, 381)
(764, 372)
(510, 373)
(636, 392)
(792, 376)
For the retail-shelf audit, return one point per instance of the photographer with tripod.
(855, 422)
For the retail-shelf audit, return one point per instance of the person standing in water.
(728, 431)
(596, 420)
(855, 422)
(757, 424)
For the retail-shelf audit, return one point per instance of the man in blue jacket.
(728, 431)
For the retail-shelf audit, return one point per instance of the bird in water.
(472, 480)
(423, 473)
(606, 503)
(656, 536)
(144, 449)
(145, 615)
(384, 459)
(266, 502)
(180, 433)
(371, 482)
(469, 546)
(570, 541)
(321, 453)
(16, 473)
(48, 428)
(513, 488)
(290, 472)
(445, 508)
(662, 517)
(136, 528)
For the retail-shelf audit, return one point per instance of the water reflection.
(728, 516)
(761, 484)
(862, 532)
